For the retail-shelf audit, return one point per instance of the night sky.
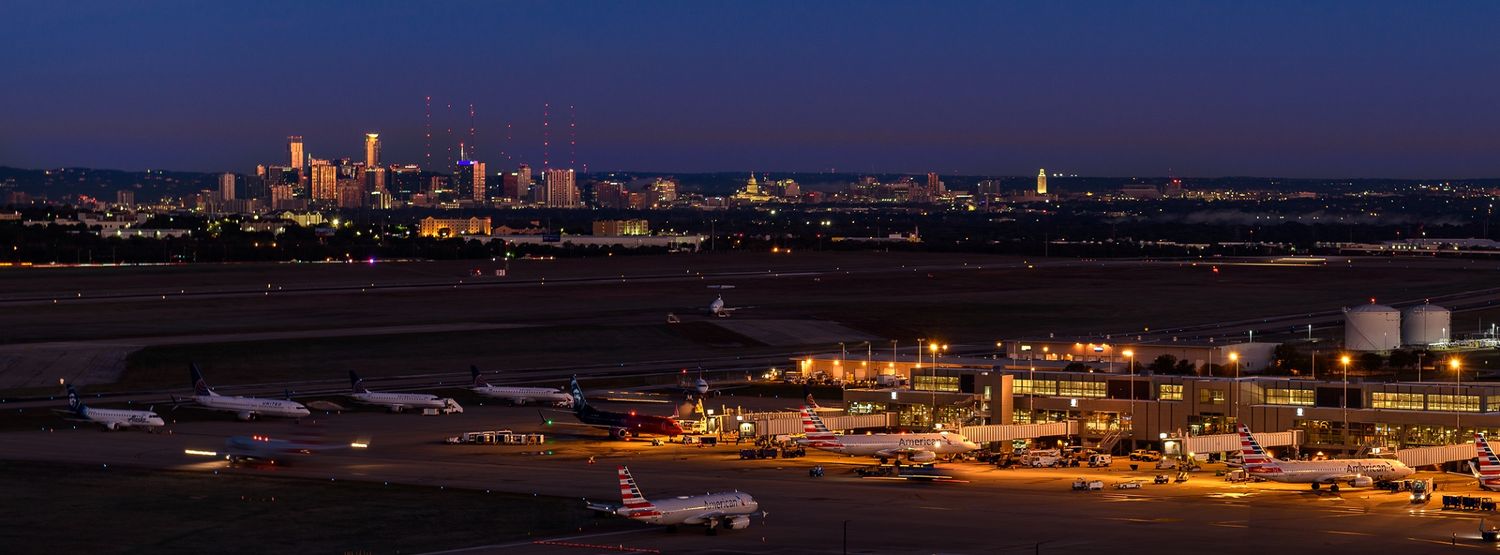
(1357, 89)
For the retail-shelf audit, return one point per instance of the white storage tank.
(1372, 327)
(1425, 325)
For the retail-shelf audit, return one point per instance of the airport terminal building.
(1143, 410)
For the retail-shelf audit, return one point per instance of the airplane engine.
(923, 456)
(1361, 482)
(519, 402)
(568, 404)
(396, 408)
(112, 426)
(740, 522)
(620, 433)
(245, 415)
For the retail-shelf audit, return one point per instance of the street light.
(1130, 359)
(1344, 401)
(1235, 358)
(1458, 375)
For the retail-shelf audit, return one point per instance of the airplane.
(718, 309)
(1487, 472)
(520, 395)
(731, 510)
(264, 448)
(1356, 472)
(398, 401)
(245, 408)
(112, 419)
(923, 447)
(622, 425)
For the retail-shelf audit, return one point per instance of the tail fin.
(478, 381)
(1251, 452)
(75, 404)
(1489, 464)
(807, 392)
(356, 383)
(630, 494)
(580, 404)
(818, 434)
(200, 386)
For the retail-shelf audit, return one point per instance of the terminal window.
(935, 383)
(1456, 403)
(1290, 396)
(1071, 388)
(1169, 392)
(1037, 387)
(1211, 396)
(1400, 401)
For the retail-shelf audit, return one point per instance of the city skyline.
(1329, 91)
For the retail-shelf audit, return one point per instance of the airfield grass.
(57, 508)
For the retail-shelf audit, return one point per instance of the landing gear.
(1316, 486)
(713, 529)
(1333, 488)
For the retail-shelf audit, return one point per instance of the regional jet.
(399, 401)
(520, 395)
(111, 419)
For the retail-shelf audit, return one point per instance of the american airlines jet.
(1356, 472)
(398, 401)
(730, 510)
(923, 447)
(245, 408)
(112, 419)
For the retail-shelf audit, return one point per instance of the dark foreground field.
(58, 508)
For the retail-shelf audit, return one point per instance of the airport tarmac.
(991, 511)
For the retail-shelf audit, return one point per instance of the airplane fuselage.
(253, 406)
(691, 509)
(116, 418)
(525, 395)
(397, 401)
(877, 444)
(630, 423)
(1326, 472)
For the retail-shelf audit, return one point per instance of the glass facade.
(1294, 396)
(934, 383)
(1081, 388)
(1023, 386)
(1169, 392)
(1449, 402)
(1401, 401)
(1211, 396)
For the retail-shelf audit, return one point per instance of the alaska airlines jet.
(622, 425)
(1357, 473)
(519, 395)
(245, 408)
(112, 419)
(924, 447)
(398, 401)
(730, 510)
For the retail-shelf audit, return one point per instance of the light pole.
(1344, 399)
(1130, 360)
(1235, 398)
(1458, 375)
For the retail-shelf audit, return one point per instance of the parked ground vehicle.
(1084, 484)
(1133, 484)
(1147, 455)
(1098, 460)
(1161, 479)
(1042, 458)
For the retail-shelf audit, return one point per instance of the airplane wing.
(601, 507)
(705, 517)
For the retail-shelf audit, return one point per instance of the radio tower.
(471, 133)
(505, 147)
(428, 163)
(546, 134)
(572, 137)
(448, 124)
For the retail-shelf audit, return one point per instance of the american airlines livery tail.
(730, 510)
(1487, 472)
(1355, 472)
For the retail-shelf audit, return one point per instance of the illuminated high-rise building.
(1041, 181)
(325, 181)
(226, 187)
(934, 185)
(294, 147)
(405, 180)
(562, 188)
(372, 150)
(472, 184)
